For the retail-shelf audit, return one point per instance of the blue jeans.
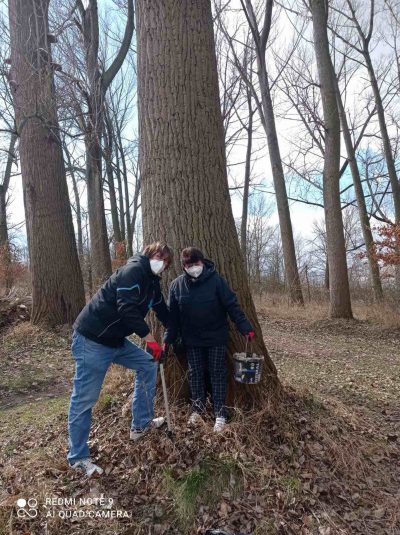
(92, 361)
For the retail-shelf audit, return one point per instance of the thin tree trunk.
(120, 196)
(388, 153)
(362, 208)
(3, 191)
(246, 188)
(77, 204)
(289, 254)
(99, 250)
(99, 83)
(108, 150)
(268, 121)
(57, 286)
(326, 276)
(340, 305)
(185, 194)
(128, 225)
(128, 216)
(135, 206)
(387, 150)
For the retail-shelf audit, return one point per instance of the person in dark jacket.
(199, 302)
(117, 310)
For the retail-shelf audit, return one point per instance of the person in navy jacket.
(199, 302)
(99, 339)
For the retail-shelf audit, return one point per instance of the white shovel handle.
(165, 394)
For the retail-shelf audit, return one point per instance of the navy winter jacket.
(118, 309)
(198, 309)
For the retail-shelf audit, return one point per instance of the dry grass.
(386, 315)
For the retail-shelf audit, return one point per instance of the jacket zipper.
(108, 326)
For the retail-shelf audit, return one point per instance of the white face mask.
(194, 271)
(156, 266)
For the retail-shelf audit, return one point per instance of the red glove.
(250, 334)
(154, 349)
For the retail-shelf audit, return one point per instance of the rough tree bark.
(185, 196)
(340, 305)
(57, 287)
(98, 83)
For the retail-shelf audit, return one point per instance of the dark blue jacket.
(118, 309)
(198, 309)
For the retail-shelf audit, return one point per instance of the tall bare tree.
(182, 155)
(260, 39)
(99, 82)
(340, 304)
(57, 287)
(4, 189)
(361, 204)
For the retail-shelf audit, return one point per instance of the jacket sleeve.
(231, 305)
(173, 327)
(160, 308)
(130, 293)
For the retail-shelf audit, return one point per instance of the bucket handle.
(249, 342)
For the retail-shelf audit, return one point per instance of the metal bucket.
(247, 367)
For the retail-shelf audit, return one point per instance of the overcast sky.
(288, 129)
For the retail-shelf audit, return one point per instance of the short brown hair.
(159, 248)
(190, 255)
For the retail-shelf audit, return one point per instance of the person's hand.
(250, 335)
(154, 349)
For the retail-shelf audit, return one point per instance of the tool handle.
(165, 394)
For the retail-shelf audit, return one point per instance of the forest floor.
(324, 461)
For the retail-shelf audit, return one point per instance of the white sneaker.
(136, 434)
(87, 466)
(219, 425)
(195, 419)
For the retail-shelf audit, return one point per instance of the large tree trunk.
(340, 305)
(362, 208)
(185, 194)
(57, 287)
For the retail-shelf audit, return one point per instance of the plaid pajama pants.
(214, 359)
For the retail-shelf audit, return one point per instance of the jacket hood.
(143, 261)
(208, 271)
